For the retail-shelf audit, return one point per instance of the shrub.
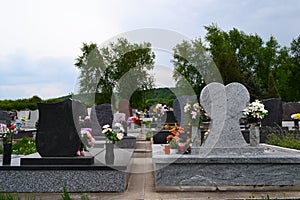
(24, 146)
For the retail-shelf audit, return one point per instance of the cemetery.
(78, 146)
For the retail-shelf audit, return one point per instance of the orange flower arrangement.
(173, 140)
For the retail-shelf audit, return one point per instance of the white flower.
(187, 107)
(119, 125)
(106, 126)
(122, 129)
(120, 136)
(104, 131)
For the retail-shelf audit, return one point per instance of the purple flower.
(194, 114)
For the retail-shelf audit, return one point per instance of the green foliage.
(65, 195)
(119, 66)
(4, 196)
(288, 139)
(24, 146)
(149, 135)
(190, 65)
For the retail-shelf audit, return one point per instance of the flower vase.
(254, 135)
(6, 153)
(196, 136)
(296, 123)
(158, 123)
(109, 153)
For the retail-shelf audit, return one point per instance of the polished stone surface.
(224, 105)
(57, 134)
(276, 166)
(274, 108)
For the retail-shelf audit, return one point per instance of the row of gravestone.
(58, 127)
(278, 111)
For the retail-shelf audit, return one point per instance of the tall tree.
(102, 69)
(191, 65)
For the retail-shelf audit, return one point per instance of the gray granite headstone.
(57, 135)
(100, 116)
(274, 108)
(224, 105)
(178, 107)
(5, 118)
(290, 108)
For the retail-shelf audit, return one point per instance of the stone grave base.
(274, 169)
(96, 177)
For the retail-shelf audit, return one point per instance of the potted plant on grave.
(176, 139)
(112, 137)
(296, 118)
(7, 138)
(253, 114)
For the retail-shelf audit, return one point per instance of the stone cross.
(224, 105)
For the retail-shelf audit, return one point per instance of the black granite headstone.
(169, 118)
(100, 116)
(290, 108)
(5, 118)
(57, 135)
(274, 117)
(178, 106)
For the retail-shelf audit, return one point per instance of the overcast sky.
(40, 39)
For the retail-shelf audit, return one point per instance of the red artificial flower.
(11, 127)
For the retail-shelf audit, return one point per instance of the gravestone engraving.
(178, 107)
(224, 105)
(5, 118)
(290, 108)
(57, 135)
(274, 117)
(100, 116)
(124, 107)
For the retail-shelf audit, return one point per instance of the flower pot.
(6, 153)
(196, 136)
(109, 153)
(254, 135)
(173, 151)
(167, 150)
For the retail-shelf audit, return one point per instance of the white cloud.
(40, 40)
(45, 91)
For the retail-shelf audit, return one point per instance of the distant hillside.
(142, 100)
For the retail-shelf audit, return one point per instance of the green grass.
(288, 139)
(24, 146)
